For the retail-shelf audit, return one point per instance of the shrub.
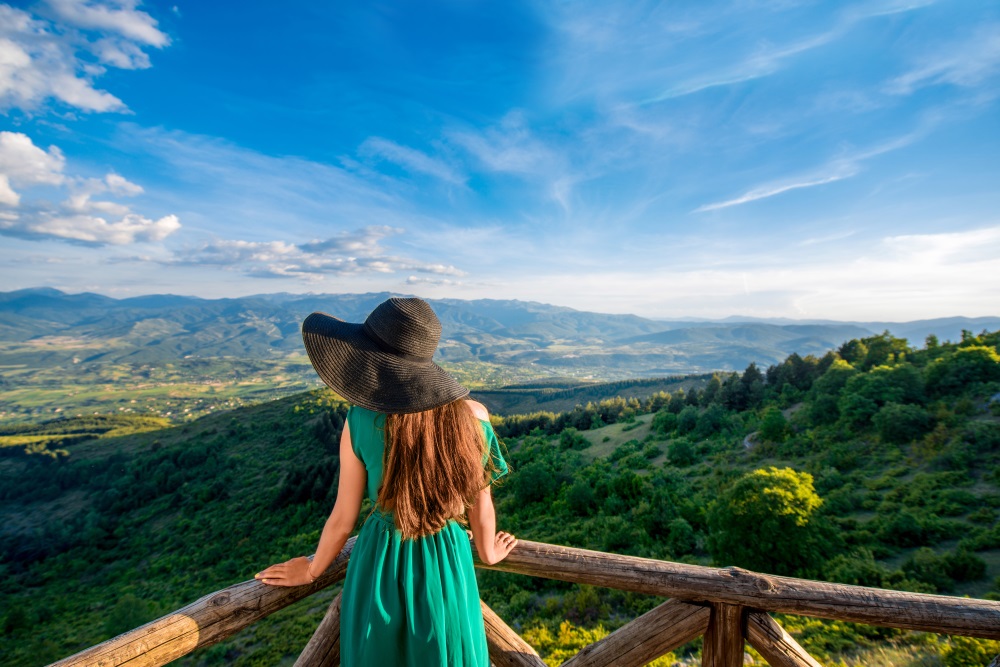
(681, 452)
(900, 424)
(767, 521)
(969, 651)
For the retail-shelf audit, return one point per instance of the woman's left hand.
(294, 572)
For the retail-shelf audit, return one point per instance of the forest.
(876, 464)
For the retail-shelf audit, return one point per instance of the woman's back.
(414, 601)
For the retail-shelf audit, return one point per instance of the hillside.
(894, 450)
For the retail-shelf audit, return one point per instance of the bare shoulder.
(478, 409)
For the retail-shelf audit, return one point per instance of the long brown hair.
(432, 467)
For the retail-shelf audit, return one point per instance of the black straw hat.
(383, 364)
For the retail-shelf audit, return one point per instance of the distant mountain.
(46, 327)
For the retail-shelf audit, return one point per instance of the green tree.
(767, 521)
(953, 372)
(682, 539)
(900, 424)
(773, 425)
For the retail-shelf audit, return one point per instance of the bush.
(681, 452)
(664, 422)
(767, 521)
(969, 652)
(570, 438)
(682, 539)
(900, 424)
(773, 426)
(687, 420)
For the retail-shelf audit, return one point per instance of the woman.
(425, 456)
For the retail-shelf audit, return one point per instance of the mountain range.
(44, 327)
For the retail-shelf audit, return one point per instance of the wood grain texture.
(774, 644)
(204, 622)
(642, 640)
(723, 645)
(323, 649)
(732, 585)
(506, 647)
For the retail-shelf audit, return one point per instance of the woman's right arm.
(492, 546)
(339, 525)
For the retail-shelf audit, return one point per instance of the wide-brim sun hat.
(385, 363)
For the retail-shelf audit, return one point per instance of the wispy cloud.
(836, 170)
(40, 57)
(966, 63)
(411, 159)
(839, 172)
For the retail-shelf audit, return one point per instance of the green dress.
(409, 602)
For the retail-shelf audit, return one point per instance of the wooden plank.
(323, 649)
(646, 638)
(204, 622)
(506, 647)
(732, 585)
(774, 644)
(723, 645)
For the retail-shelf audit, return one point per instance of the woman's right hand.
(502, 545)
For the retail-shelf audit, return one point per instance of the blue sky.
(801, 159)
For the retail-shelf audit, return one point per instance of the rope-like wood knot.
(761, 582)
(220, 600)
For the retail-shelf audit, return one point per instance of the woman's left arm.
(343, 518)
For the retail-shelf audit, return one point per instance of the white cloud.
(116, 16)
(24, 164)
(93, 229)
(411, 159)
(79, 217)
(60, 58)
(966, 63)
(348, 253)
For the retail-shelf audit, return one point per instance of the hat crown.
(408, 325)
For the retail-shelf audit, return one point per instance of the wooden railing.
(726, 605)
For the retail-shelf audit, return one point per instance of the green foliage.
(687, 420)
(253, 487)
(767, 521)
(682, 539)
(682, 452)
(571, 439)
(898, 423)
(773, 425)
(962, 368)
(969, 651)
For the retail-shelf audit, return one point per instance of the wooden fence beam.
(506, 647)
(774, 644)
(723, 645)
(732, 585)
(323, 649)
(204, 622)
(642, 640)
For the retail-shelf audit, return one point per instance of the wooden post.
(777, 646)
(506, 647)
(644, 639)
(323, 649)
(724, 638)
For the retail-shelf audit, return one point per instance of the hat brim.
(351, 364)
